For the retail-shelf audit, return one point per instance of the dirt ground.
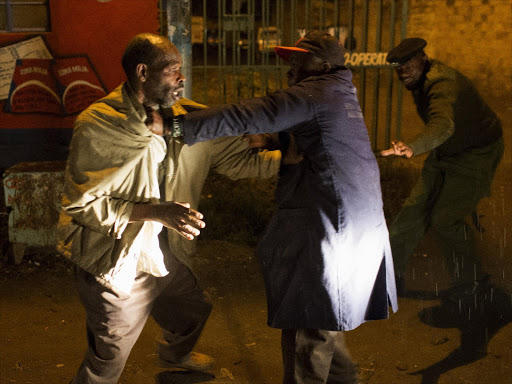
(429, 340)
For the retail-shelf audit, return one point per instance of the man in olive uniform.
(464, 137)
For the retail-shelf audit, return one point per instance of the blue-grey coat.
(325, 257)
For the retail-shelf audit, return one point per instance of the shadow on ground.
(183, 377)
(478, 318)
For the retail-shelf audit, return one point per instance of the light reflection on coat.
(325, 256)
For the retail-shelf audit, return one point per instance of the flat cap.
(406, 50)
(319, 44)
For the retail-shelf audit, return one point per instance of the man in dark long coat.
(325, 256)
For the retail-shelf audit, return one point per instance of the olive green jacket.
(456, 117)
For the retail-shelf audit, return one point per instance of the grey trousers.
(115, 320)
(314, 356)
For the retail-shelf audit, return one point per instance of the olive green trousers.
(447, 192)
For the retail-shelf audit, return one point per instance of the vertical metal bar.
(235, 48)
(179, 26)
(205, 54)
(251, 34)
(221, 46)
(265, 13)
(8, 12)
(337, 19)
(375, 103)
(275, 71)
(389, 100)
(364, 48)
(293, 24)
(253, 43)
(350, 25)
(403, 33)
(279, 41)
(307, 13)
(405, 12)
(321, 15)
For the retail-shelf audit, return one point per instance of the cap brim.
(285, 52)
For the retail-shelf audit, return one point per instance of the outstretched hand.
(177, 216)
(398, 148)
(181, 218)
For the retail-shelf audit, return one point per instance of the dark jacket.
(325, 256)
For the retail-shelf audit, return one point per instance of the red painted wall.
(99, 30)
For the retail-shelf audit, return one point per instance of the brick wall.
(473, 36)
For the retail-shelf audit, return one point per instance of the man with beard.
(464, 137)
(325, 256)
(123, 177)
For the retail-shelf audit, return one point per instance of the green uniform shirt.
(456, 117)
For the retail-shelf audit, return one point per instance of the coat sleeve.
(273, 113)
(440, 120)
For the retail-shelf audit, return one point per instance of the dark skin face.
(161, 82)
(411, 72)
(303, 65)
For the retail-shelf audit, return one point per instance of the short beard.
(157, 94)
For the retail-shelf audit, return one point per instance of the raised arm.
(277, 112)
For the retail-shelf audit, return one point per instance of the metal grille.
(232, 49)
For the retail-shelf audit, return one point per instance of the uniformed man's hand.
(180, 217)
(398, 148)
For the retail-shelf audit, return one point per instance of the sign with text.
(33, 88)
(78, 83)
(34, 48)
(366, 59)
(59, 86)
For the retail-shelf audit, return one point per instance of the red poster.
(57, 86)
(33, 88)
(79, 85)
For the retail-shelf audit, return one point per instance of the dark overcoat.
(325, 257)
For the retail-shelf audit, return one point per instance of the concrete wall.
(473, 36)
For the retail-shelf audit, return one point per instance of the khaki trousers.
(115, 320)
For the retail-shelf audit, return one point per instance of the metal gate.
(228, 49)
